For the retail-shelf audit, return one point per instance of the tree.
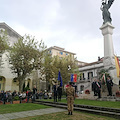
(47, 69)
(3, 43)
(62, 65)
(25, 56)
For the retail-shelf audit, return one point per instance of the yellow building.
(61, 52)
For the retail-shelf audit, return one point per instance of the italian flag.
(104, 78)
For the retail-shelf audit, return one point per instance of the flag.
(117, 66)
(73, 77)
(104, 78)
(60, 79)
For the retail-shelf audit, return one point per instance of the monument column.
(109, 60)
(107, 31)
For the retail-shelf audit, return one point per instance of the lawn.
(110, 104)
(55, 116)
(64, 116)
(20, 107)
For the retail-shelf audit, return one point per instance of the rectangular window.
(82, 76)
(90, 75)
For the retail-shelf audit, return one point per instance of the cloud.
(70, 24)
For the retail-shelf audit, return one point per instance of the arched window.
(2, 83)
(81, 89)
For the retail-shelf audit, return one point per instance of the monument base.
(109, 59)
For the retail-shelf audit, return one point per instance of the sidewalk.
(23, 114)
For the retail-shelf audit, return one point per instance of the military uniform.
(70, 91)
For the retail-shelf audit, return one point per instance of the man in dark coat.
(34, 93)
(29, 94)
(98, 88)
(55, 88)
(59, 90)
(94, 87)
(109, 86)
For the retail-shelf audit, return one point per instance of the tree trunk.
(21, 82)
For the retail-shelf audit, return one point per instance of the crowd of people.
(28, 95)
(9, 96)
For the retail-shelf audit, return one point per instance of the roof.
(9, 30)
(81, 62)
(60, 49)
(92, 63)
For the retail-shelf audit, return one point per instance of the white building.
(7, 77)
(87, 74)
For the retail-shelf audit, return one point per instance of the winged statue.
(105, 10)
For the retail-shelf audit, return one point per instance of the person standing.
(34, 93)
(98, 88)
(94, 87)
(55, 87)
(29, 95)
(70, 92)
(4, 97)
(59, 89)
(109, 86)
(10, 97)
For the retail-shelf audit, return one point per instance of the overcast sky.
(70, 24)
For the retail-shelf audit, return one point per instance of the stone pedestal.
(109, 60)
(107, 31)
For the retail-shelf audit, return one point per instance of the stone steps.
(113, 112)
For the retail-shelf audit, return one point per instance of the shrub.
(16, 98)
(26, 88)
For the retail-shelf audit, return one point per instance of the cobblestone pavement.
(15, 115)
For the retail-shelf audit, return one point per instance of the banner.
(104, 78)
(73, 77)
(117, 66)
(60, 79)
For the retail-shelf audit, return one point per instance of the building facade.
(61, 52)
(87, 74)
(8, 79)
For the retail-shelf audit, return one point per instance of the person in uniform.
(70, 92)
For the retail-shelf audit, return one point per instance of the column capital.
(107, 28)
